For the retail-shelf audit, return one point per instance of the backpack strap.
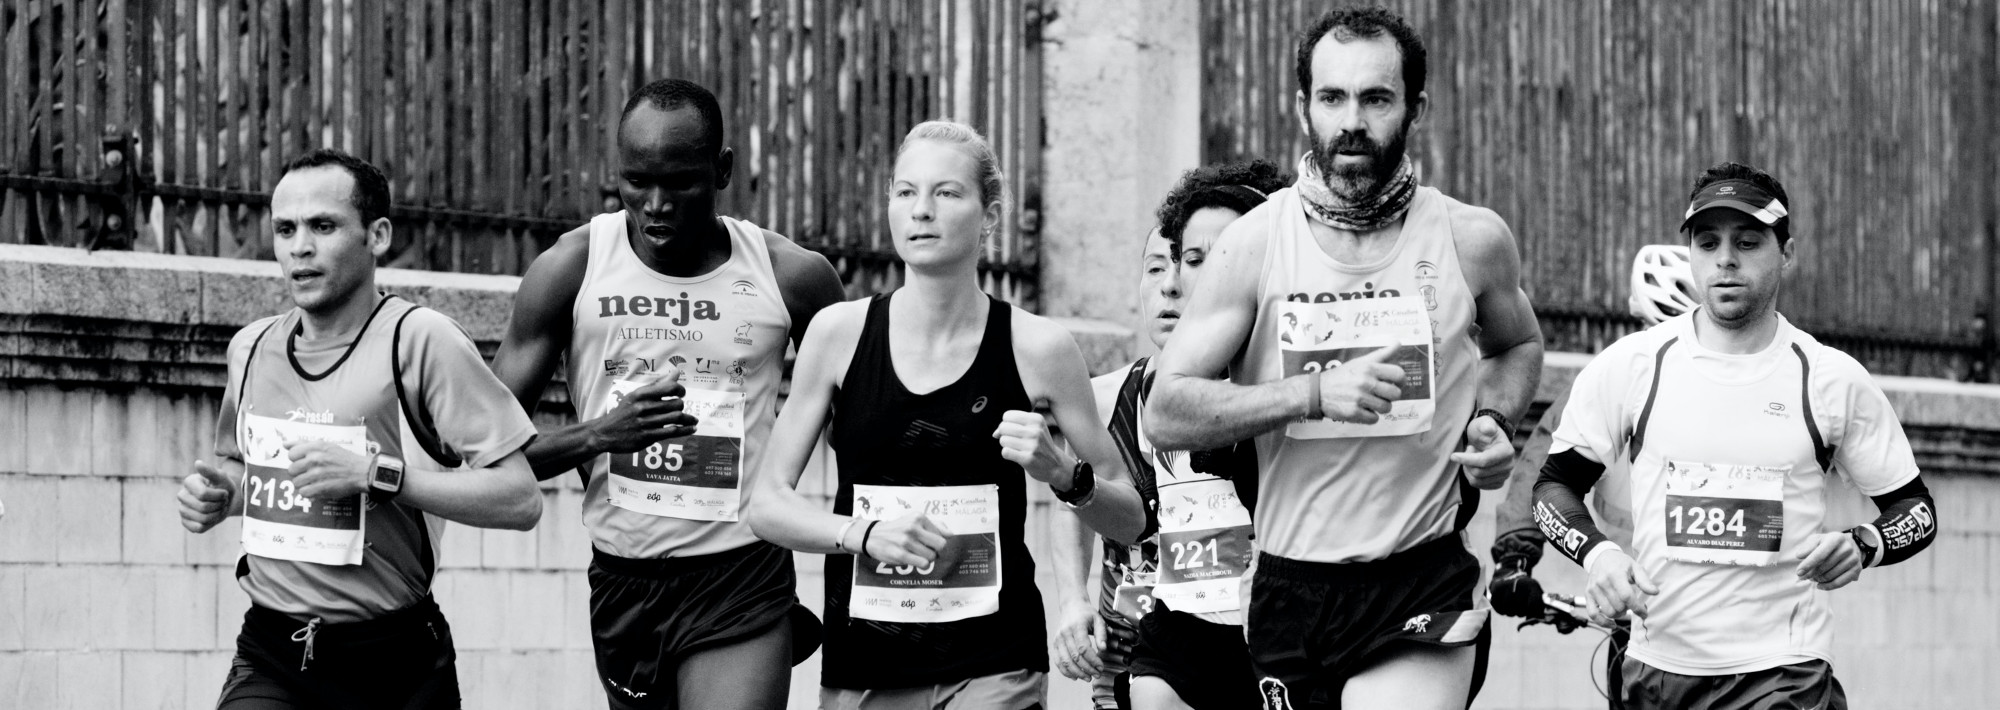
(1638, 439)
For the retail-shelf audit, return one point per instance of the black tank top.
(885, 435)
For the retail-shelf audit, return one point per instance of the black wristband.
(1506, 425)
(865, 532)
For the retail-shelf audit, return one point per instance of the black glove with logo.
(1514, 592)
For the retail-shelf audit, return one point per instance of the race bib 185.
(694, 477)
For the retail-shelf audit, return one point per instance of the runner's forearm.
(1071, 553)
(1907, 525)
(1192, 413)
(783, 517)
(557, 451)
(1559, 508)
(1115, 511)
(1507, 380)
(503, 495)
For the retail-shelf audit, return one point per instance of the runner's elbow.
(1161, 425)
(759, 512)
(525, 510)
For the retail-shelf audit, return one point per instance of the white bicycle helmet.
(1662, 283)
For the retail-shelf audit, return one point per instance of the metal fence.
(495, 120)
(1584, 123)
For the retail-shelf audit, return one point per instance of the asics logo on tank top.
(679, 311)
(979, 405)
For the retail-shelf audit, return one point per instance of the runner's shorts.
(1312, 625)
(1801, 685)
(1206, 663)
(1012, 690)
(647, 615)
(403, 659)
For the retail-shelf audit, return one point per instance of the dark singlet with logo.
(884, 435)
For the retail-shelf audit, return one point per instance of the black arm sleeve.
(1559, 509)
(1908, 522)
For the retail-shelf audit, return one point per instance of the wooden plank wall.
(508, 108)
(1584, 123)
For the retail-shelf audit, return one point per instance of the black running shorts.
(1314, 624)
(647, 615)
(402, 660)
(1802, 685)
(1206, 663)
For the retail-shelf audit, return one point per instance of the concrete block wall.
(105, 602)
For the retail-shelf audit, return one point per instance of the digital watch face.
(388, 477)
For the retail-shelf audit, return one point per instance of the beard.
(1357, 182)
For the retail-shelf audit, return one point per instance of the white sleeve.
(1594, 422)
(1870, 448)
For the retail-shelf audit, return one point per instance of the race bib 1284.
(1724, 514)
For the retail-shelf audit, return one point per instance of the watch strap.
(1506, 425)
(1082, 483)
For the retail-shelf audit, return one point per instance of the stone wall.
(111, 365)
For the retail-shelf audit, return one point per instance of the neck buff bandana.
(1390, 201)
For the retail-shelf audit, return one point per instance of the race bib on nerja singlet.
(1724, 514)
(1313, 337)
(694, 477)
(962, 583)
(279, 523)
(1204, 546)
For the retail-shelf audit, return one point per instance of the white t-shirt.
(1728, 483)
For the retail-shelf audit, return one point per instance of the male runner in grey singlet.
(353, 426)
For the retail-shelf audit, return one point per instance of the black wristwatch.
(1861, 543)
(1082, 483)
(386, 481)
(1506, 426)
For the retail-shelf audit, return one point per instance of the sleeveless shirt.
(883, 434)
(1343, 493)
(726, 331)
(449, 403)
